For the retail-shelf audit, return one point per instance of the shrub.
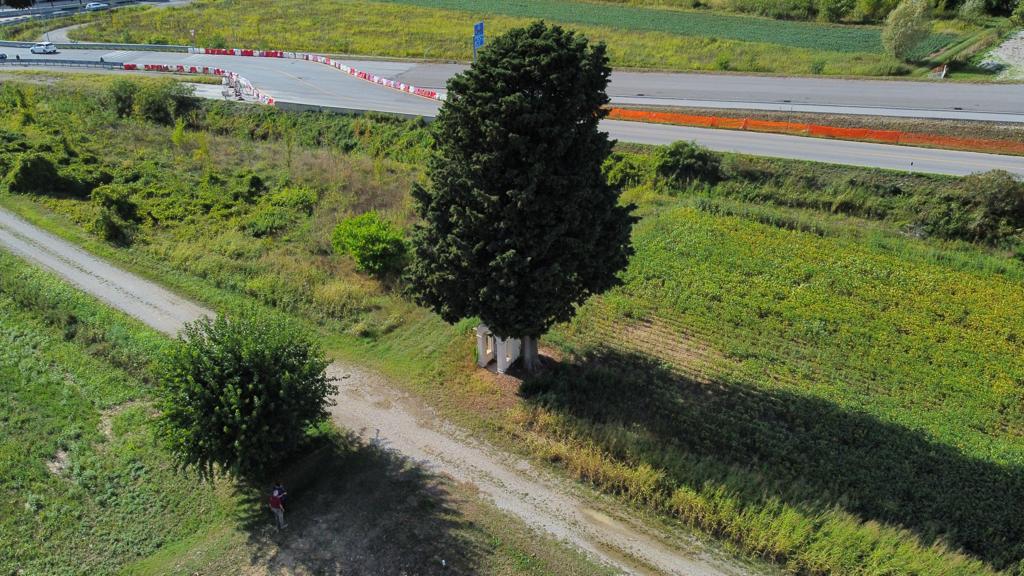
(117, 219)
(247, 187)
(996, 202)
(905, 27)
(31, 173)
(296, 198)
(873, 10)
(375, 244)
(240, 393)
(972, 11)
(988, 208)
(1018, 19)
(834, 10)
(163, 101)
(684, 163)
(268, 220)
(122, 96)
(627, 170)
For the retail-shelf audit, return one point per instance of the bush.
(296, 198)
(240, 393)
(972, 11)
(163, 101)
(1018, 19)
(117, 219)
(122, 95)
(247, 187)
(376, 245)
(684, 163)
(905, 27)
(834, 10)
(989, 208)
(32, 173)
(996, 206)
(625, 171)
(873, 10)
(268, 220)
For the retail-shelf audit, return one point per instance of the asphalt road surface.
(371, 407)
(305, 82)
(993, 102)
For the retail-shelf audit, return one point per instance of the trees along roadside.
(905, 27)
(520, 225)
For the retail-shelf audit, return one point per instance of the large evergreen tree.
(519, 224)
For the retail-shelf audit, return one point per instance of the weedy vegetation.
(820, 365)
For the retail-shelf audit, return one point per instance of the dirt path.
(368, 405)
(60, 35)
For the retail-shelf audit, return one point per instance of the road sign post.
(478, 38)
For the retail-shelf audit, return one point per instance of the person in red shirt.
(277, 507)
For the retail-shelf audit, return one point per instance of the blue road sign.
(478, 37)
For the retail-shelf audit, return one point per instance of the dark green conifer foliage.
(520, 225)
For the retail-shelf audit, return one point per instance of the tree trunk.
(529, 355)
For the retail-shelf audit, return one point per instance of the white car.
(43, 48)
(93, 6)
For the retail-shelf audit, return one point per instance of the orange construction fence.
(800, 129)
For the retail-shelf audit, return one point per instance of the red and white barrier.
(242, 52)
(386, 82)
(233, 78)
(251, 90)
(380, 80)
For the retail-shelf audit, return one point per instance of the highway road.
(305, 82)
(991, 102)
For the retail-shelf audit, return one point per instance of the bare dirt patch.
(107, 416)
(59, 463)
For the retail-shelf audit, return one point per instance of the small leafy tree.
(520, 225)
(375, 244)
(239, 393)
(684, 163)
(905, 27)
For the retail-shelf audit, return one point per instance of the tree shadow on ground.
(807, 451)
(357, 508)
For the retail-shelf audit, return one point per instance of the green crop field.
(637, 37)
(823, 366)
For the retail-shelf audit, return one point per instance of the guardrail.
(26, 62)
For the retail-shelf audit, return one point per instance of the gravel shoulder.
(377, 411)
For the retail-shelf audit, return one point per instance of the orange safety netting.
(862, 134)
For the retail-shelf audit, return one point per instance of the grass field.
(803, 361)
(637, 37)
(89, 491)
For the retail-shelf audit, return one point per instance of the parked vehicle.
(94, 6)
(3, 56)
(43, 48)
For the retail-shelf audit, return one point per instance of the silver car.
(43, 48)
